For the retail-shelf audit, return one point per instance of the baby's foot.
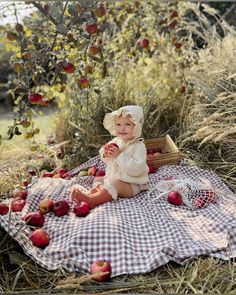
(78, 196)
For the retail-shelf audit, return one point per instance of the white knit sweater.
(130, 166)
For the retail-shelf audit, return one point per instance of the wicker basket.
(170, 153)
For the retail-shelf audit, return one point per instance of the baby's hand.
(111, 150)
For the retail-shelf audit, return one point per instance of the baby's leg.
(124, 189)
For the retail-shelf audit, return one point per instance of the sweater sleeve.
(134, 164)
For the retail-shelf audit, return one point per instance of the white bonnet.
(136, 114)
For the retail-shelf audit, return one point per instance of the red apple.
(83, 83)
(35, 98)
(174, 198)
(46, 205)
(25, 182)
(93, 50)
(103, 270)
(81, 209)
(4, 209)
(144, 43)
(34, 218)
(100, 173)
(152, 169)
(100, 10)
(173, 14)
(91, 28)
(61, 171)
(88, 69)
(44, 102)
(69, 68)
(61, 208)
(32, 172)
(40, 238)
(47, 174)
(92, 171)
(17, 204)
(22, 194)
(26, 55)
(11, 36)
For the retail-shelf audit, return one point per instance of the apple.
(178, 45)
(25, 182)
(4, 209)
(40, 238)
(83, 173)
(47, 174)
(174, 198)
(93, 50)
(44, 102)
(100, 173)
(81, 209)
(11, 36)
(46, 205)
(88, 69)
(152, 169)
(91, 28)
(22, 194)
(92, 171)
(84, 83)
(32, 172)
(69, 68)
(198, 203)
(17, 204)
(57, 175)
(19, 28)
(103, 270)
(144, 43)
(35, 98)
(26, 55)
(61, 171)
(100, 10)
(34, 218)
(173, 14)
(17, 67)
(61, 208)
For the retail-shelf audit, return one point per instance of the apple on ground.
(91, 28)
(25, 182)
(69, 68)
(47, 174)
(100, 10)
(20, 194)
(103, 270)
(35, 98)
(61, 208)
(61, 171)
(93, 50)
(46, 205)
(84, 83)
(17, 204)
(174, 198)
(92, 171)
(11, 36)
(152, 169)
(4, 209)
(144, 43)
(100, 173)
(40, 238)
(32, 172)
(34, 218)
(81, 209)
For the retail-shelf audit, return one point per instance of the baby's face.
(124, 128)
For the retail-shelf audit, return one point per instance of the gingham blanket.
(136, 235)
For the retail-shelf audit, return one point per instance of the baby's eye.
(128, 124)
(117, 124)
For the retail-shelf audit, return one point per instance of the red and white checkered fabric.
(136, 235)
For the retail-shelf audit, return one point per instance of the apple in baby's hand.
(92, 171)
(4, 209)
(61, 208)
(174, 198)
(103, 270)
(46, 205)
(40, 238)
(17, 204)
(81, 209)
(34, 218)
